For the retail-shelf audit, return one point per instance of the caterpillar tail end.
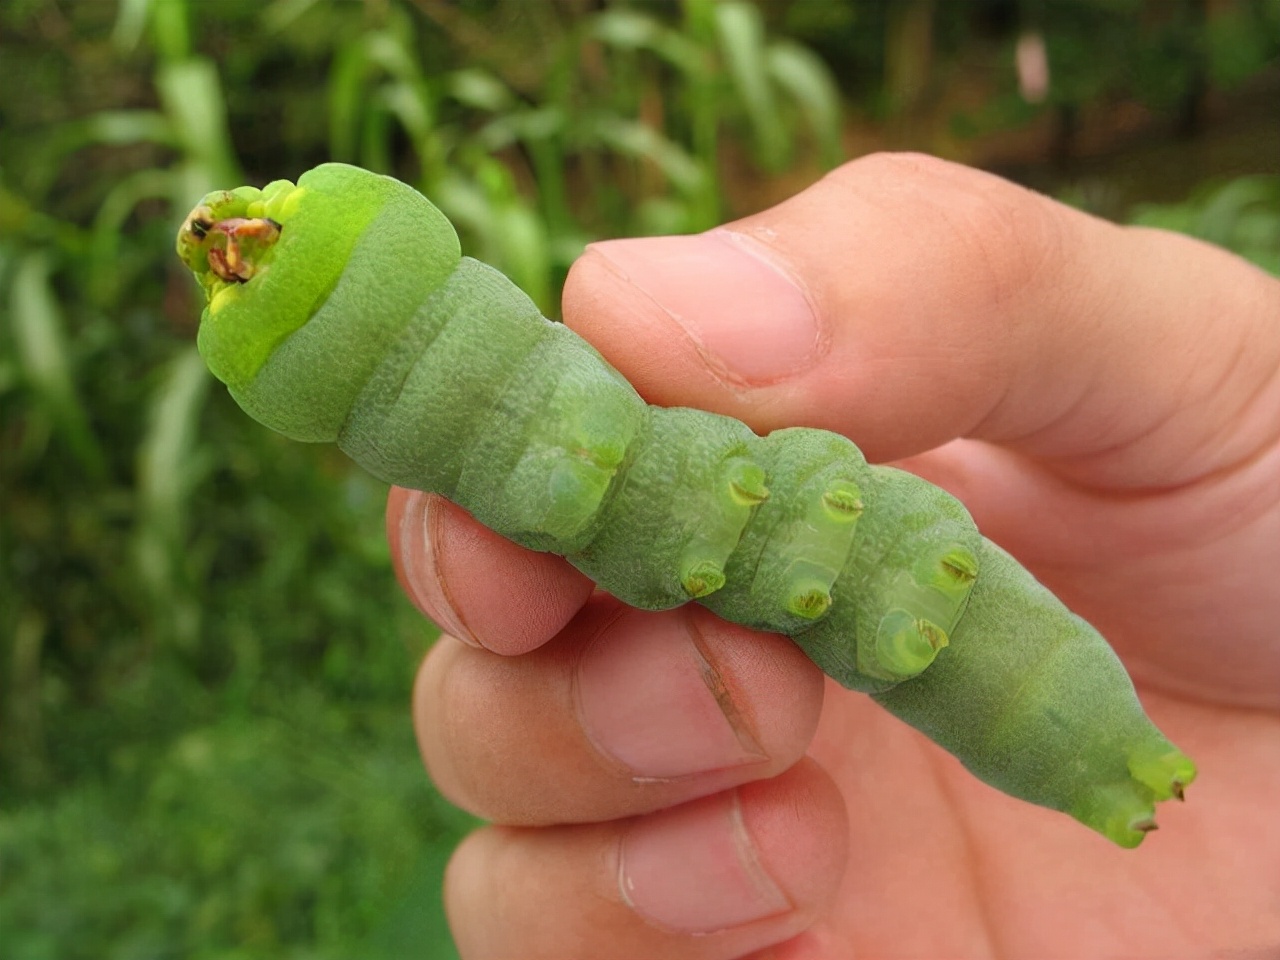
(1167, 774)
(1033, 701)
(1126, 813)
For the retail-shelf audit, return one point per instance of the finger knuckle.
(1011, 238)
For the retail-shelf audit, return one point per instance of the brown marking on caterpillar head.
(198, 223)
(230, 264)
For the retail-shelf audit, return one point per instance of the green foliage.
(1163, 56)
(205, 661)
(524, 111)
(1242, 215)
(300, 831)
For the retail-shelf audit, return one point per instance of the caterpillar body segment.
(341, 310)
(1011, 691)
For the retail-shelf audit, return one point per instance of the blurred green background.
(205, 663)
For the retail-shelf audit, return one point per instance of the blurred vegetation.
(205, 663)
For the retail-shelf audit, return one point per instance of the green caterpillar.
(341, 309)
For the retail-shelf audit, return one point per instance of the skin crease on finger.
(512, 739)
(1189, 388)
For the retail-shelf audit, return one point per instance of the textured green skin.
(366, 327)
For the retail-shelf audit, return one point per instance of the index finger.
(476, 585)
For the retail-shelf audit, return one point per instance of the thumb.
(905, 301)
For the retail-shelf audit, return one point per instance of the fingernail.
(420, 542)
(694, 869)
(649, 698)
(750, 318)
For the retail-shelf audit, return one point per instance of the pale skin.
(694, 790)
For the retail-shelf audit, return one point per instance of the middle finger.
(624, 712)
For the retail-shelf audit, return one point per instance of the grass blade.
(192, 98)
(170, 465)
(44, 361)
(741, 34)
(805, 78)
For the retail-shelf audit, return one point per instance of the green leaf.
(479, 90)
(168, 462)
(740, 30)
(346, 90)
(171, 30)
(123, 127)
(635, 139)
(171, 462)
(282, 13)
(806, 79)
(626, 29)
(40, 338)
(131, 21)
(109, 227)
(192, 98)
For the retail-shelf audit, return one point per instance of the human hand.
(669, 785)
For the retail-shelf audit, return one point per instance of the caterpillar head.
(307, 287)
